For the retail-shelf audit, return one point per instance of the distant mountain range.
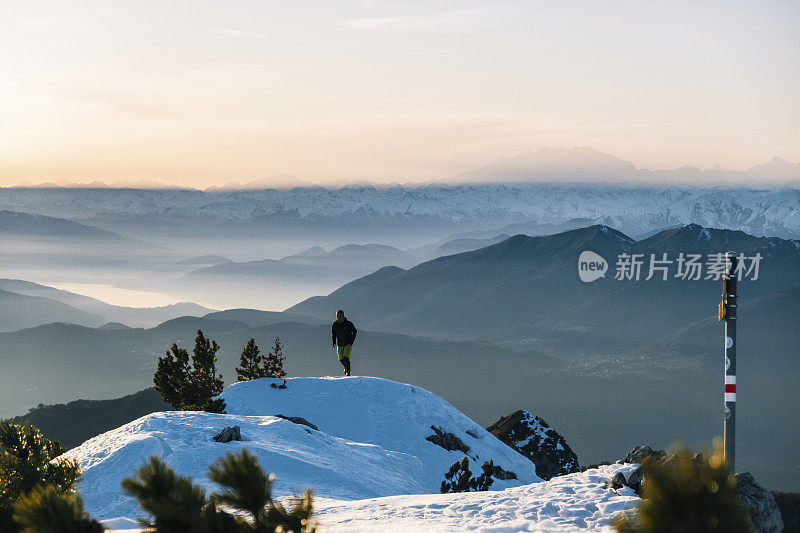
(578, 164)
(335, 267)
(278, 283)
(527, 289)
(29, 304)
(456, 245)
(408, 217)
(14, 224)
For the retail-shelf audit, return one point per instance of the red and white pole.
(728, 309)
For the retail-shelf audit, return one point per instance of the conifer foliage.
(191, 387)
(46, 510)
(177, 505)
(254, 365)
(687, 493)
(250, 363)
(459, 477)
(26, 463)
(273, 362)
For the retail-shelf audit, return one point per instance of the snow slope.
(392, 415)
(575, 502)
(370, 442)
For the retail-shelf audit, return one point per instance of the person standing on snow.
(344, 334)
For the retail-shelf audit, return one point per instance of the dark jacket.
(343, 332)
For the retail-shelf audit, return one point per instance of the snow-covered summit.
(370, 442)
(394, 416)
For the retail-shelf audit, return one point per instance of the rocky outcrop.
(763, 512)
(229, 434)
(448, 441)
(535, 439)
(640, 453)
(299, 420)
(635, 480)
(789, 503)
(617, 482)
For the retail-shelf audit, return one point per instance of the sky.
(199, 93)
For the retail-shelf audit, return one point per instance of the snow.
(365, 425)
(539, 432)
(575, 502)
(368, 461)
(392, 415)
(758, 211)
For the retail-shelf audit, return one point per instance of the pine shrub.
(177, 505)
(687, 493)
(459, 477)
(26, 463)
(46, 510)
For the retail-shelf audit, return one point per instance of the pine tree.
(273, 363)
(191, 388)
(172, 376)
(26, 462)
(251, 363)
(205, 383)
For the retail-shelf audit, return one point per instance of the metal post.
(728, 313)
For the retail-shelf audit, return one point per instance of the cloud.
(238, 33)
(460, 18)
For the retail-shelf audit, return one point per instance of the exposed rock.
(535, 439)
(595, 465)
(789, 503)
(229, 434)
(640, 453)
(636, 480)
(617, 482)
(762, 509)
(472, 434)
(299, 420)
(448, 441)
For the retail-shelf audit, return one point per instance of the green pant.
(344, 351)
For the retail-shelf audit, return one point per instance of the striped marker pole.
(729, 307)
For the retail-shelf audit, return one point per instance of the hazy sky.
(200, 92)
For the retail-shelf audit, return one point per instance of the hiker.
(344, 333)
